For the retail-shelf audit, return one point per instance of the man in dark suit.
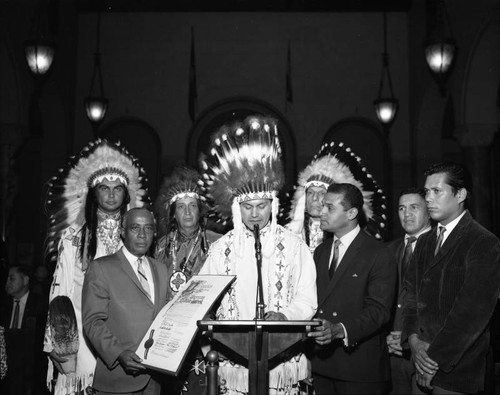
(23, 315)
(415, 221)
(452, 285)
(122, 294)
(356, 278)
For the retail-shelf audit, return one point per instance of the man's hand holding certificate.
(167, 341)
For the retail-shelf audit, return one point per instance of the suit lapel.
(453, 239)
(399, 259)
(156, 280)
(322, 267)
(348, 257)
(127, 267)
(29, 309)
(346, 261)
(400, 249)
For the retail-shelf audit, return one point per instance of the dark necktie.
(15, 319)
(440, 237)
(142, 277)
(405, 260)
(335, 258)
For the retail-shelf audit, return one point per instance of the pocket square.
(355, 275)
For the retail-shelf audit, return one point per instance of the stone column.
(476, 141)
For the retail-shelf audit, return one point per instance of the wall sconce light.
(96, 104)
(440, 46)
(386, 107)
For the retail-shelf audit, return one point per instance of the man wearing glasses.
(122, 294)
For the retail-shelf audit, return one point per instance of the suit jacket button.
(334, 313)
(320, 311)
(399, 305)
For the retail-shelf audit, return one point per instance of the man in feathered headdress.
(243, 175)
(85, 204)
(333, 164)
(181, 212)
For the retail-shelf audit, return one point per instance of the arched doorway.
(142, 141)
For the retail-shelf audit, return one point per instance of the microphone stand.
(259, 308)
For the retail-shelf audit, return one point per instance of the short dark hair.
(134, 209)
(351, 198)
(457, 176)
(24, 270)
(413, 191)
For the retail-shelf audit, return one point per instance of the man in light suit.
(122, 294)
(356, 289)
(415, 221)
(452, 286)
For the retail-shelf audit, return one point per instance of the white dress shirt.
(417, 235)
(132, 259)
(345, 242)
(451, 226)
(22, 307)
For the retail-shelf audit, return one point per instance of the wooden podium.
(257, 344)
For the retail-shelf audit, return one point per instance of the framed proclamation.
(169, 338)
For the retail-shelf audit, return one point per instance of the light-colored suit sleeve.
(96, 302)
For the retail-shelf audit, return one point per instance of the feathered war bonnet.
(183, 182)
(244, 164)
(66, 193)
(336, 163)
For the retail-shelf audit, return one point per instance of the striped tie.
(142, 277)
(15, 319)
(405, 260)
(440, 237)
(335, 258)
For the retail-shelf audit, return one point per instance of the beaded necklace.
(179, 277)
(108, 231)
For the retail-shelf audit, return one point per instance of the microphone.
(258, 248)
(256, 234)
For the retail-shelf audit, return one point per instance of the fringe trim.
(283, 379)
(72, 384)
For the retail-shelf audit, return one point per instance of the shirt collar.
(131, 257)
(453, 224)
(417, 235)
(348, 238)
(23, 298)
